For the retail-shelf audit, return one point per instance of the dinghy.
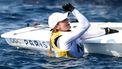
(37, 38)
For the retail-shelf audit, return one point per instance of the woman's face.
(64, 25)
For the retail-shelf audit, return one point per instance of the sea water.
(16, 14)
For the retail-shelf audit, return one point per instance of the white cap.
(55, 18)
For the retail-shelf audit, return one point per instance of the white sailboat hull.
(37, 38)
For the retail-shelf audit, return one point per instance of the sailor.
(64, 40)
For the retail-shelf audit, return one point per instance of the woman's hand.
(68, 7)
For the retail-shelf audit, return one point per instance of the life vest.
(53, 43)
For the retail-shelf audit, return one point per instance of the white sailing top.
(68, 40)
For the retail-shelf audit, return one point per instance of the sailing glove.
(68, 7)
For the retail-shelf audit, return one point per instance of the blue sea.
(15, 14)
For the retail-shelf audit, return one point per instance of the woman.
(63, 40)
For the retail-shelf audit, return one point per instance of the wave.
(60, 2)
(76, 2)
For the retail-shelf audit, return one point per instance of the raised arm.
(83, 25)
